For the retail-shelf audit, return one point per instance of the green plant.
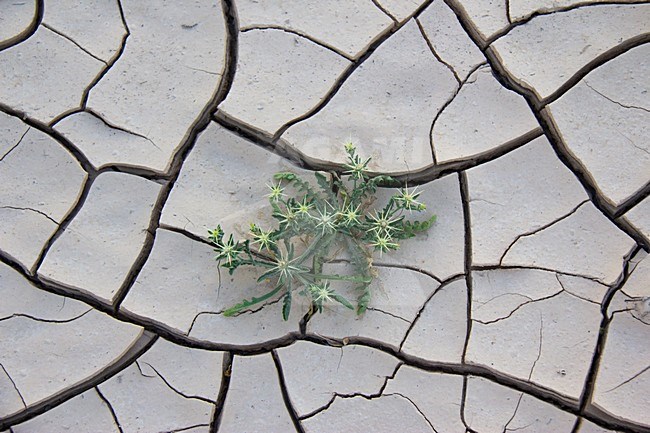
(315, 223)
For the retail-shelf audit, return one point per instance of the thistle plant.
(313, 224)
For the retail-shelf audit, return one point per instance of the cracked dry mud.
(129, 128)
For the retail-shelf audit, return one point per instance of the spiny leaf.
(247, 304)
(325, 186)
(300, 184)
(322, 181)
(341, 299)
(363, 299)
(410, 228)
(286, 305)
(285, 175)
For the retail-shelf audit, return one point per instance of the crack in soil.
(537, 230)
(385, 11)
(285, 393)
(226, 374)
(465, 197)
(170, 386)
(300, 34)
(634, 107)
(498, 319)
(442, 286)
(75, 43)
(31, 210)
(14, 385)
(461, 84)
(592, 374)
(15, 145)
(110, 408)
(39, 319)
(551, 11)
(435, 54)
(416, 408)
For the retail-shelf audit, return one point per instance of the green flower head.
(383, 223)
(383, 243)
(262, 238)
(409, 199)
(216, 235)
(326, 221)
(277, 192)
(229, 251)
(321, 293)
(303, 207)
(351, 214)
(356, 167)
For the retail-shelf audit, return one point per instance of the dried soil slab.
(449, 40)
(12, 130)
(590, 427)
(623, 382)
(636, 285)
(605, 122)
(191, 372)
(86, 412)
(349, 26)
(639, 216)
(12, 400)
(45, 357)
(492, 408)
(222, 172)
(40, 181)
(261, 411)
(497, 294)
(279, 77)
(385, 413)
(168, 72)
(345, 371)
(96, 251)
(439, 331)
(585, 288)
(385, 107)
(46, 75)
(436, 395)
(523, 9)
(507, 199)
(21, 298)
(574, 38)
(97, 26)
(482, 116)
(144, 403)
(548, 339)
(104, 145)
(15, 17)
(584, 243)
(401, 9)
(489, 16)
(634, 296)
